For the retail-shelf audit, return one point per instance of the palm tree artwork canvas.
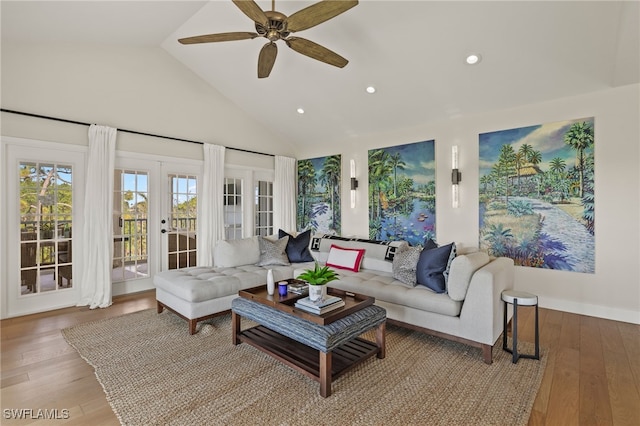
(402, 196)
(537, 195)
(319, 195)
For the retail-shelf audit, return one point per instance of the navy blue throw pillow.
(432, 267)
(429, 244)
(298, 247)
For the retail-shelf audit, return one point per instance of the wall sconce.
(456, 177)
(354, 184)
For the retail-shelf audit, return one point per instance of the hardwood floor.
(592, 375)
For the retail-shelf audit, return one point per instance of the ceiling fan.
(275, 26)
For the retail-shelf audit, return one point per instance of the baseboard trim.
(598, 311)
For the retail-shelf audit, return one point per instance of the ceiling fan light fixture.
(473, 59)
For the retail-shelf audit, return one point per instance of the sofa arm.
(482, 309)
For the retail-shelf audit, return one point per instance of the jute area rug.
(154, 373)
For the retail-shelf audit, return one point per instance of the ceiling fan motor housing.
(277, 26)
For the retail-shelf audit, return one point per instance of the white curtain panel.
(284, 194)
(210, 204)
(97, 237)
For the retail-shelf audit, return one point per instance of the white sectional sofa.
(470, 311)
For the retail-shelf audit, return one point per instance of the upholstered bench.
(323, 338)
(199, 293)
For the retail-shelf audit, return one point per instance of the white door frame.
(18, 150)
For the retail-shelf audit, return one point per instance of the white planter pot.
(317, 292)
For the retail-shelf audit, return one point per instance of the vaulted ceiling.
(412, 52)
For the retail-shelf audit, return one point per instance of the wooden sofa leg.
(160, 307)
(192, 326)
(486, 354)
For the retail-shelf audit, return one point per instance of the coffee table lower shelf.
(311, 362)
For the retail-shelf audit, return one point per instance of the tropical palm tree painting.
(402, 196)
(537, 195)
(319, 194)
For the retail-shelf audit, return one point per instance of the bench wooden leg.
(380, 340)
(160, 306)
(486, 354)
(235, 328)
(325, 374)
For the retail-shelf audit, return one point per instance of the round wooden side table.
(519, 298)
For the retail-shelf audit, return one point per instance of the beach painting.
(402, 196)
(537, 200)
(319, 195)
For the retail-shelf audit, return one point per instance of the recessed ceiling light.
(473, 59)
(371, 89)
(300, 111)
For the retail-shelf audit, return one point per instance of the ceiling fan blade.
(266, 59)
(212, 38)
(318, 13)
(315, 51)
(253, 11)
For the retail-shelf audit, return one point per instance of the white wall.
(614, 290)
(138, 89)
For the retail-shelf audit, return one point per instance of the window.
(182, 233)
(45, 227)
(263, 208)
(130, 215)
(233, 208)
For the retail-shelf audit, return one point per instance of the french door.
(179, 209)
(44, 196)
(44, 200)
(154, 219)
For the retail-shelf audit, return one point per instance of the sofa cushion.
(298, 246)
(230, 253)
(433, 266)
(345, 258)
(462, 269)
(405, 264)
(384, 288)
(273, 252)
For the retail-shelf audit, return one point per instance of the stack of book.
(321, 306)
(299, 288)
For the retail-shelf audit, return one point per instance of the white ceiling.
(411, 51)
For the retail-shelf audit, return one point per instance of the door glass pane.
(130, 225)
(264, 208)
(233, 208)
(182, 232)
(45, 227)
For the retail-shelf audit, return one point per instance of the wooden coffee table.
(315, 345)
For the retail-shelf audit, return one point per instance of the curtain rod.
(134, 132)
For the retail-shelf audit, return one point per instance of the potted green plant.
(317, 278)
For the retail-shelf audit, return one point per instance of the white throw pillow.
(230, 253)
(345, 258)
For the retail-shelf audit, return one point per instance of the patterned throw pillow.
(273, 252)
(405, 263)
